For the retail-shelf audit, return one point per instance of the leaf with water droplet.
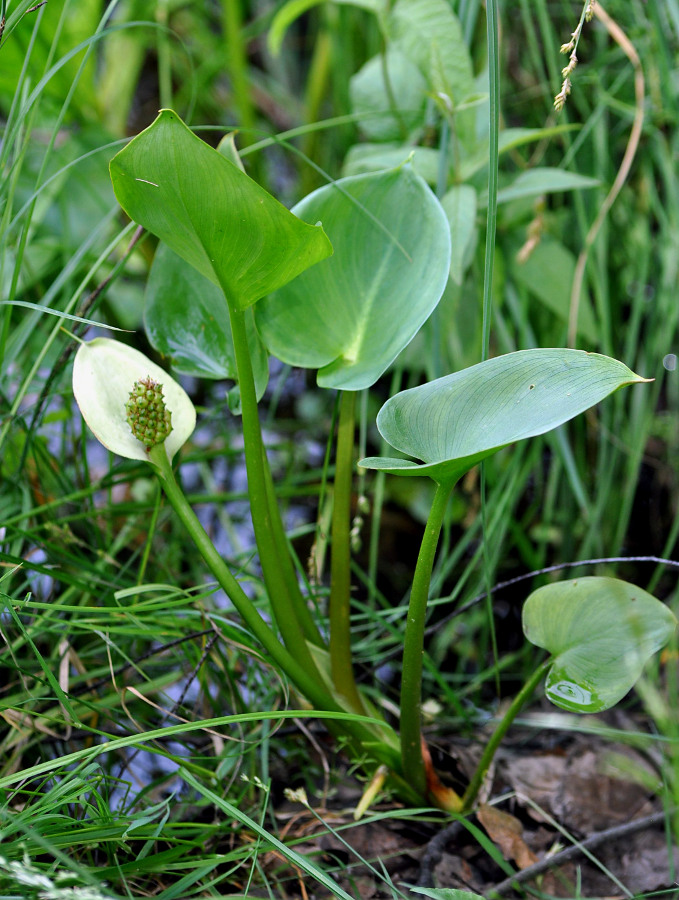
(601, 631)
(569, 695)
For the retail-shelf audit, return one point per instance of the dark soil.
(567, 814)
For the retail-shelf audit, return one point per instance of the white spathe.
(104, 373)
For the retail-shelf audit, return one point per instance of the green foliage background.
(110, 630)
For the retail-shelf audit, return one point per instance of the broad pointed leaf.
(601, 632)
(351, 315)
(211, 214)
(186, 320)
(456, 421)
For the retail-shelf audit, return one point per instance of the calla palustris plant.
(349, 316)
(600, 633)
(114, 385)
(232, 231)
(453, 423)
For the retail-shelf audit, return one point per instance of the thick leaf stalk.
(413, 646)
(340, 567)
(308, 685)
(287, 605)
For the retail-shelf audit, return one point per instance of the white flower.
(104, 373)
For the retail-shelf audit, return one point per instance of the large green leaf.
(186, 320)
(352, 314)
(601, 632)
(456, 421)
(211, 214)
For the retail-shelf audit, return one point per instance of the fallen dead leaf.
(507, 832)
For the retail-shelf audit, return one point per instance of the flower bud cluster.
(148, 417)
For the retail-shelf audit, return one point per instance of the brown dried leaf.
(507, 832)
(582, 789)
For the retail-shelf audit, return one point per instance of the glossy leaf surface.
(456, 421)
(351, 315)
(187, 321)
(212, 214)
(601, 632)
(104, 372)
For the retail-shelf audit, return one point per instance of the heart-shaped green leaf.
(601, 632)
(351, 315)
(456, 421)
(212, 214)
(187, 321)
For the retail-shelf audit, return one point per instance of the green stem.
(494, 131)
(164, 60)
(237, 66)
(302, 611)
(308, 685)
(491, 748)
(376, 740)
(284, 605)
(340, 566)
(413, 645)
